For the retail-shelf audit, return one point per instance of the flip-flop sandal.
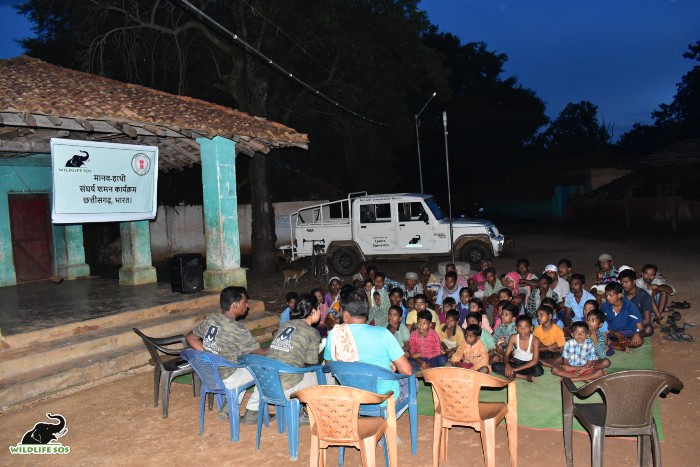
(679, 337)
(672, 336)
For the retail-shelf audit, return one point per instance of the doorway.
(32, 239)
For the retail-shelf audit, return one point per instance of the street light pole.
(420, 166)
(449, 191)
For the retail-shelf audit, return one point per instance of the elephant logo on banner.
(78, 160)
(45, 433)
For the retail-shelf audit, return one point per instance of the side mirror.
(424, 217)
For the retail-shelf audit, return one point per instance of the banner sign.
(103, 182)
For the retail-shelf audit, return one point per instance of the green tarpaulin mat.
(539, 403)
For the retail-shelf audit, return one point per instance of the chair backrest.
(207, 365)
(152, 344)
(335, 410)
(360, 375)
(457, 390)
(630, 395)
(266, 372)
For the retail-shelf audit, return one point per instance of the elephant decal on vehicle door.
(44, 433)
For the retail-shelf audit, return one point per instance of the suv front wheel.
(474, 253)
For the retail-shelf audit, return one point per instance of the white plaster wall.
(180, 229)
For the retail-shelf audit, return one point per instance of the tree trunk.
(263, 236)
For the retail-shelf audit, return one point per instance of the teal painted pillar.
(221, 214)
(70, 252)
(136, 254)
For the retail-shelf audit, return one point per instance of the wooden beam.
(56, 120)
(28, 118)
(127, 129)
(25, 146)
(190, 158)
(155, 130)
(85, 124)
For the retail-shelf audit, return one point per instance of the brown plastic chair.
(456, 398)
(627, 410)
(335, 421)
(165, 371)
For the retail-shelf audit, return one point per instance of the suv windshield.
(434, 208)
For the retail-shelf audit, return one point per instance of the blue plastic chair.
(365, 376)
(266, 373)
(207, 365)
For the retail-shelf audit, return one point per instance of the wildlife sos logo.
(141, 164)
(77, 160)
(42, 438)
(283, 341)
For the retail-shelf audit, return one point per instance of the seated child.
(397, 328)
(505, 330)
(447, 304)
(472, 353)
(498, 314)
(424, 344)
(410, 305)
(596, 320)
(373, 316)
(291, 299)
(465, 295)
(551, 337)
(451, 335)
(421, 303)
(580, 362)
(477, 306)
(486, 338)
(522, 357)
(396, 299)
(557, 317)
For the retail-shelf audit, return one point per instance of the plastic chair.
(207, 366)
(456, 399)
(366, 376)
(335, 421)
(627, 410)
(266, 373)
(165, 371)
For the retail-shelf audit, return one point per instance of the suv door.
(415, 230)
(377, 227)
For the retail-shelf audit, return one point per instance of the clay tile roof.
(31, 85)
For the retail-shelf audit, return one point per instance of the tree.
(577, 129)
(365, 54)
(677, 120)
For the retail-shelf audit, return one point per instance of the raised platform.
(93, 339)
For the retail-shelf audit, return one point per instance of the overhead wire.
(271, 63)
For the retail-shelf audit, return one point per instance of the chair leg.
(568, 420)
(341, 455)
(655, 444)
(202, 406)
(165, 393)
(234, 416)
(390, 441)
(443, 444)
(597, 446)
(314, 452)
(512, 429)
(413, 418)
(156, 385)
(292, 416)
(196, 384)
(437, 439)
(368, 452)
(258, 431)
(488, 442)
(386, 450)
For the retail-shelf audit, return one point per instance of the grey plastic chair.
(627, 410)
(165, 371)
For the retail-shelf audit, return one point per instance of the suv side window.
(372, 213)
(411, 212)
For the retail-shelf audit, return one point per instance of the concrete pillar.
(136, 254)
(70, 252)
(221, 214)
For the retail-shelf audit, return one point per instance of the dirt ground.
(116, 424)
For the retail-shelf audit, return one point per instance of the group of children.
(514, 328)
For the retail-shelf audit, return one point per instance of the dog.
(296, 275)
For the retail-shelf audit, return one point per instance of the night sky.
(623, 55)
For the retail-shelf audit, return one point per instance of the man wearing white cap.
(559, 285)
(607, 272)
(411, 287)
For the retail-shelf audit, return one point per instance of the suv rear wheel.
(345, 261)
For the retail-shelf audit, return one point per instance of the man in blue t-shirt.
(373, 344)
(623, 318)
(639, 298)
